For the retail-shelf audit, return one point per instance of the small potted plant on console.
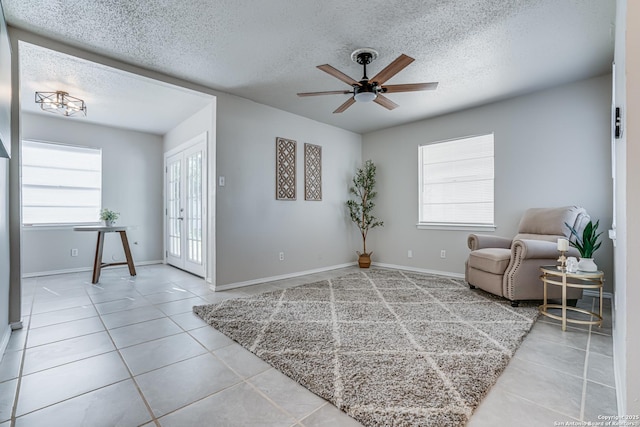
(109, 217)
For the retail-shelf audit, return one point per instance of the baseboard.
(594, 293)
(16, 325)
(281, 277)
(419, 270)
(4, 340)
(82, 269)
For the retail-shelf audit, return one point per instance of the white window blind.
(456, 182)
(61, 184)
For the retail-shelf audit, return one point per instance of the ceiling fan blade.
(392, 69)
(385, 102)
(329, 92)
(348, 103)
(338, 74)
(412, 87)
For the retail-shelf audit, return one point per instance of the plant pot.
(587, 264)
(108, 223)
(364, 260)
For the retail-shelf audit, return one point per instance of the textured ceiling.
(267, 51)
(113, 97)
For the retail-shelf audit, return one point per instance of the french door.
(186, 207)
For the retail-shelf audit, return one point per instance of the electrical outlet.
(74, 252)
(281, 256)
(221, 181)
(443, 253)
(409, 253)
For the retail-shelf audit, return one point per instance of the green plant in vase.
(109, 217)
(361, 207)
(586, 245)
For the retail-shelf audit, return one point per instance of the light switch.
(221, 181)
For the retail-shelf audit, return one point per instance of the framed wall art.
(285, 169)
(312, 172)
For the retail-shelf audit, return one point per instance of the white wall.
(632, 291)
(551, 149)
(5, 88)
(5, 150)
(626, 317)
(4, 254)
(203, 121)
(131, 184)
(620, 313)
(252, 226)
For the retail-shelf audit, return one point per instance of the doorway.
(186, 205)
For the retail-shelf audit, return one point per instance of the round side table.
(552, 275)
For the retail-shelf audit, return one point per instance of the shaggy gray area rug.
(388, 347)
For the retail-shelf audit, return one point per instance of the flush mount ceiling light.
(61, 103)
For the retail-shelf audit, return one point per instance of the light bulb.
(365, 96)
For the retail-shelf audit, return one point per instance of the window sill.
(455, 227)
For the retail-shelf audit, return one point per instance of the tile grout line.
(135, 383)
(85, 358)
(207, 351)
(99, 316)
(273, 402)
(533, 402)
(240, 377)
(580, 416)
(14, 408)
(575, 347)
(583, 399)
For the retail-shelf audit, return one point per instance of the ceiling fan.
(367, 90)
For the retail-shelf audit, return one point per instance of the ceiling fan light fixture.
(365, 96)
(365, 92)
(371, 89)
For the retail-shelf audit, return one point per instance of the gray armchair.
(511, 268)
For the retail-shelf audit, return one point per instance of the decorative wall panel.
(285, 169)
(312, 172)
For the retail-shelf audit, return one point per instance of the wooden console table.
(98, 265)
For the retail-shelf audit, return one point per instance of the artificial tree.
(361, 207)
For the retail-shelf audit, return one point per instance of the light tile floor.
(129, 352)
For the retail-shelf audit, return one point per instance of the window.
(61, 184)
(456, 182)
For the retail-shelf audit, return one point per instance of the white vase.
(587, 264)
(108, 223)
